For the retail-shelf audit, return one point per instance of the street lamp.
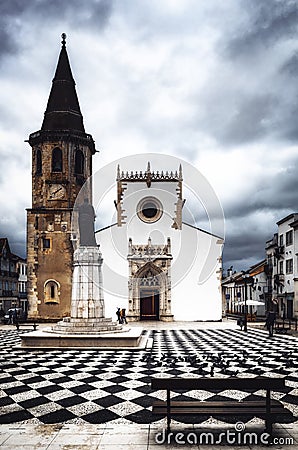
(245, 277)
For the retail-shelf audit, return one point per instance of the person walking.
(10, 315)
(123, 316)
(270, 321)
(118, 314)
(271, 317)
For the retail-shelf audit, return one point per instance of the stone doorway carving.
(149, 282)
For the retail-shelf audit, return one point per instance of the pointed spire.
(63, 109)
(148, 175)
(180, 172)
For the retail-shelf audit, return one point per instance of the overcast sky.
(209, 81)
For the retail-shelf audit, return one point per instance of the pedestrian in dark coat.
(270, 321)
(123, 316)
(118, 314)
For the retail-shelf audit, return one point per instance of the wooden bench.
(265, 408)
(26, 324)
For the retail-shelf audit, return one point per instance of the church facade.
(152, 259)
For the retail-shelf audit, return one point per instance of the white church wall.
(196, 295)
(194, 274)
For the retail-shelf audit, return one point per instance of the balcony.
(8, 293)
(279, 278)
(279, 251)
(9, 274)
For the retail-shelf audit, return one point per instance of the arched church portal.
(150, 283)
(149, 294)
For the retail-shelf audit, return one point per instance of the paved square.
(97, 387)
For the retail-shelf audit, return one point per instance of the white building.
(282, 266)
(155, 265)
(240, 288)
(22, 284)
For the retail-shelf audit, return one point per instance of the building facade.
(61, 163)
(246, 288)
(273, 281)
(13, 279)
(22, 284)
(8, 277)
(152, 259)
(282, 267)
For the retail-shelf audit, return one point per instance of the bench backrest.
(215, 383)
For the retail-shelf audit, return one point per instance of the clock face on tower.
(56, 192)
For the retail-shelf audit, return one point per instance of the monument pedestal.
(127, 338)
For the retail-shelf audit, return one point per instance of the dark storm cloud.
(256, 214)
(275, 193)
(268, 22)
(94, 14)
(253, 93)
(15, 231)
(290, 67)
(243, 250)
(236, 117)
(9, 26)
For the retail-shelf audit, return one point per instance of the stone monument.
(87, 325)
(87, 301)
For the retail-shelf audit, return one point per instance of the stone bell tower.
(61, 163)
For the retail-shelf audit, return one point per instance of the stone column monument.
(87, 302)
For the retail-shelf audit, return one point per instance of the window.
(79, 163)
(289, 266)
(51, 291)
(289, 237)
(46, 243)
(149, 210)
(38, 162)
(281, 267)
(57, 160)
(281, 240)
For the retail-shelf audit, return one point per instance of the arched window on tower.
(79, 162)
(52, 291)
(57, 160)
(38, 167)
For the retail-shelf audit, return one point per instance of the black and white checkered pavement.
(94, 386)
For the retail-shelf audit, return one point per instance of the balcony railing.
(8, 293)
(9, 274)
(279, 278)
